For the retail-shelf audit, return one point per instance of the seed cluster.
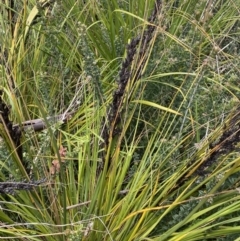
(126, 73)
(226, 143)
(11, 187)
(14, 131)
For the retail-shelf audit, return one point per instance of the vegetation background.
(140, 105)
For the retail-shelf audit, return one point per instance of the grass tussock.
(119, 120)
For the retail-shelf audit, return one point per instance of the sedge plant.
(150, 151)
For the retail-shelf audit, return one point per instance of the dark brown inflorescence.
(141, 42)
(11, 187)
(14, 132)
(226, 144)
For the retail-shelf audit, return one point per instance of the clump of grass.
(169, 166)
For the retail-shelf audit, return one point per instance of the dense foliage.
(119, 120)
